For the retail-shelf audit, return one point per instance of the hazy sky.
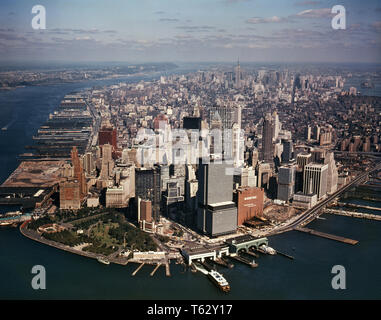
(191, 30)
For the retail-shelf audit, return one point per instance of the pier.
(327, 235)
(167, 270)
(359, 206)
(243, 260)
(354, 214)
(154, 270)
(222, 263)
(251, 253)
(285, 255)
(138, 268)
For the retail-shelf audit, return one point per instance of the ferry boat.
(219, 280)
(103, 260)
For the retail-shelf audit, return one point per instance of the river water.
(69, 276)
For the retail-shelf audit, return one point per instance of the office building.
(246, 178)
(107, 134)
(286, 182)
(147, 187)
(238, 76)
(225, 114)
(302, 159)
(249, 202)
(117, 196)
(287, 150)
(173, 200)
(267, 139)
(304, 201)
(192, 123)
(315, 179)
(217, 213)
(332, 176)
(73, 186)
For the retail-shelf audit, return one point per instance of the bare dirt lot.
(279, 213)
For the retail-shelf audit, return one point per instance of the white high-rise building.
(276, 125)
(333, 175)
(315, 179)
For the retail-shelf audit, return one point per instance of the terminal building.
(200, 252)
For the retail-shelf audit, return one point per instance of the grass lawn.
(100, 232)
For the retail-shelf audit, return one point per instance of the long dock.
(360, 206)
(154, 270)
(354, 214)
(222, 263)
(251, 253)
(240, 259)
(327, 235)
(284, 255)
(138, 268)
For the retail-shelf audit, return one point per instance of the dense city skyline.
(179, 139)
(218, 30)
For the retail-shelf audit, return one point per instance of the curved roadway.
(313, 212)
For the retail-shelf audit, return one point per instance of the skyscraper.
(315, 179)
(287, 150)
(286, 182)
(147, 187)
(238, 76)
(225, 114)
(88, 163)
(303, 159)
(73, 187)
(78, 172)
(267, 139)
(217, 213)
(107, 134)
(332, 177)
(276, 125)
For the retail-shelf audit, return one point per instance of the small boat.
(267, 250)
(103, 260)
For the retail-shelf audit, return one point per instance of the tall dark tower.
(238, 76)
(107, 134)
(78, 171)
(267, 139)
(147, 187)
(217, 213)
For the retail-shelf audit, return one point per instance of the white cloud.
(315, 13)
(274, 19)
